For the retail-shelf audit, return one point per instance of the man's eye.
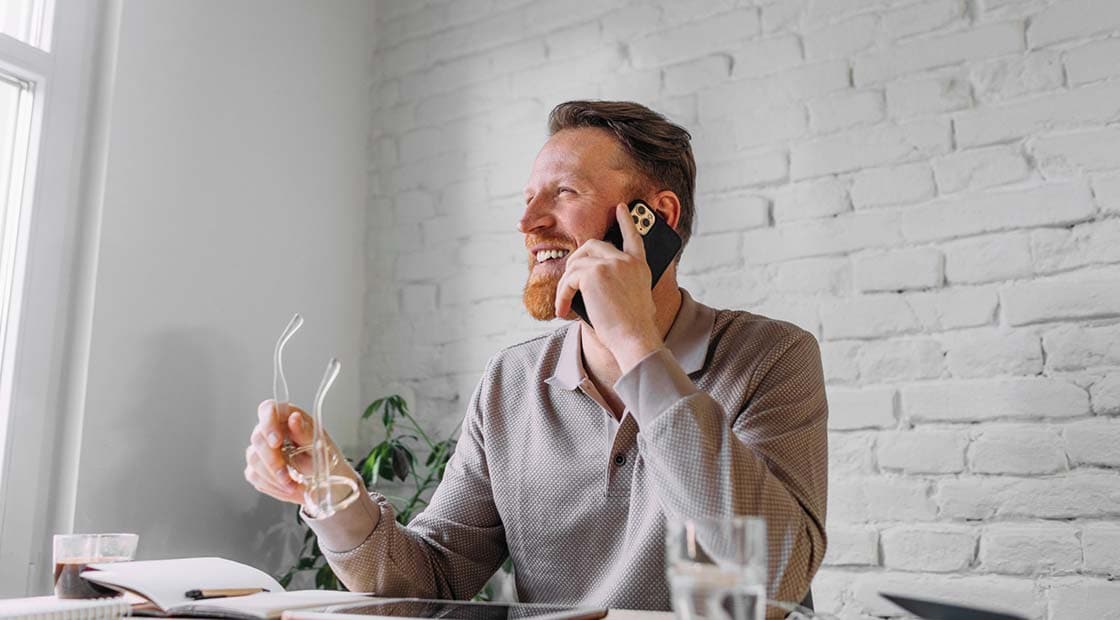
(565, 189)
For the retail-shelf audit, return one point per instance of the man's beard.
(539, 295)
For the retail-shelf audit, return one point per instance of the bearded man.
(578, 446)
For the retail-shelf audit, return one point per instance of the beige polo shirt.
(729, 418)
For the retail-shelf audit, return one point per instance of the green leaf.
(402, 461)
(374, 406)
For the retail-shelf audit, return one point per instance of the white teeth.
(544, 255)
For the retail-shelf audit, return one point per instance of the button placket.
(620, 467)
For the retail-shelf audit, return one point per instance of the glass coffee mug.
(716, 568)
(72, 552)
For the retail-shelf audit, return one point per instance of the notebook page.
(165, 582)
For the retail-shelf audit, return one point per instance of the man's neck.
(598, 361)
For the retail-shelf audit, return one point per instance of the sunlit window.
(27, 21)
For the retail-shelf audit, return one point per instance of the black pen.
(199, 595)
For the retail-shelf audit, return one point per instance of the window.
(47, 61)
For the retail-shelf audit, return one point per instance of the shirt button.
(620, 459)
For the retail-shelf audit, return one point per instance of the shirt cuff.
(348, 528)
(653, 385)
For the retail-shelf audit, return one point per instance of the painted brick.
(1072, 347)
(1093, 61)
(811, 199)
(898, 270)
(930, 95)
(1015, 77)
(990, 592)
(851, 453)
(1053, 204)
(852, 546)
(900, 360)
(688, 77)
(1072, 19)
(845, 110)
(727, 212)
(880, 145)
(981, 42)
(1064, 155)
(863, 499)
(855, 409)
(504, 281)
(921, 451)
(991, 124)
(929, 548)
(1013, 449)
(1091, 494)
(967, 401)
(796, 84)
(881, 187)
(744, 171)
(813, 275)
(1107, 193)
(414, 206)
(953, 308)
(772, 126)
(762, 57)
(991, 353)
(780, 15)
(820, 237)
(980, 168)
(840, 361)
(989, 258)
(708, 252)
(693, 39)
(1082, 598)
(1030, 548)
(830, 10)
(922, 17)
(1104, 394)
(870, 316)
(1062, 249)
(842, 39)
(1087, 296)
(1093, 442)
(629, 22)
(418, 298)
(1100, 542)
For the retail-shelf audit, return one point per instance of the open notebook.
(159, 587)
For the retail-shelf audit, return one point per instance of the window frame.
(43, 368)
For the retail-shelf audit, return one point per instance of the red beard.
(539, 296)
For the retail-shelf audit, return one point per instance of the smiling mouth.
(543, 256)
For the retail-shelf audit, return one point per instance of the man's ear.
(668, 207)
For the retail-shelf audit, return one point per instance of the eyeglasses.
(324, 493)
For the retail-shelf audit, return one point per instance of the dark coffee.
(68, 582)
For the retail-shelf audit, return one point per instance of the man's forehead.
(581, 151)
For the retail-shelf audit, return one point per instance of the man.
(579, 445)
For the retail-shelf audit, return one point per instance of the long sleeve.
(448, 551)
(767, 456)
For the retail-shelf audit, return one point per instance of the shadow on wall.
(176, 455)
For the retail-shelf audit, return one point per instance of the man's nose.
(537, 215)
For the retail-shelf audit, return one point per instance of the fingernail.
(274, 440)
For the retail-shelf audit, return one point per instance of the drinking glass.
(72, 552)
(717, 568)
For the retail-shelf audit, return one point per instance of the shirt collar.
(687, 340)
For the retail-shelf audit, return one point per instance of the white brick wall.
(932, 187)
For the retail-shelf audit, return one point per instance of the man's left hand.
(616, 291)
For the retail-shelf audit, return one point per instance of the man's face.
(577, 179)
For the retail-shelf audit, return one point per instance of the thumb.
(300, 428)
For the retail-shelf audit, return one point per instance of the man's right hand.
(266, 467)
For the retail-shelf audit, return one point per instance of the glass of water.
(717, 568)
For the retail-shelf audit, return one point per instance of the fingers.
(269, 424)
(301, 428)
(260, 475)
(631, 238)
(272, 459)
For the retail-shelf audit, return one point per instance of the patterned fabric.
(728, 419)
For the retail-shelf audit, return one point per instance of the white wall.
(234, 196)
(929, 186)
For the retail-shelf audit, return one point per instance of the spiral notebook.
(51, 608)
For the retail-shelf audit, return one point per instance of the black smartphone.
(662, 244)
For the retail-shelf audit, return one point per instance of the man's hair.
(660, 149)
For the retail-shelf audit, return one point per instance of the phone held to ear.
(661, 243)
